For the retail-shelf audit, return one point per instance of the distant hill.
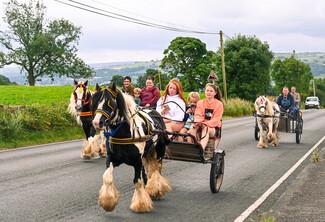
(315, 60)
(105, 71)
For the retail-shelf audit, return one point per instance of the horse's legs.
(269, 135)
(91, 147)
(141, 201)
(261, 143)
(275, 136)
(108, 194)
(157, 185)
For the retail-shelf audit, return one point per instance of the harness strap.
(125, 141)
(89, 113)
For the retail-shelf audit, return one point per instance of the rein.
(132, 140)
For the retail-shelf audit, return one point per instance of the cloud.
(285, 25)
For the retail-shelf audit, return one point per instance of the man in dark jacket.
(127, 86)
(286, 102)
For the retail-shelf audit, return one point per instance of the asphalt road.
(52, 183)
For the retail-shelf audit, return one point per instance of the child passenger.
(137, 93)
(193, 98)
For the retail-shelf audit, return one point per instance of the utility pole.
(223, 67)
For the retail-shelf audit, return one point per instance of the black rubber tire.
(299, 130)
(216, 172)
(257, 133)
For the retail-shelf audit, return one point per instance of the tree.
(118, 80)
(188, 59)
(291, 72)
(39, 47)
(248, 63)
(319, 90)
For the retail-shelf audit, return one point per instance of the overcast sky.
(286, 25)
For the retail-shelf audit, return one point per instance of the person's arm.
(159, 108)
(298, 98)
(156, 96)
(199, 112)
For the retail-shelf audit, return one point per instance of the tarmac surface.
(304, 199)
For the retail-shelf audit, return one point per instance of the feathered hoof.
(157, 186)
(141, 201)
(108, 194)
(108, 197)
(261, 146)
(274, 144)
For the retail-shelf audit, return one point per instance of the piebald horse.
(132, 139)
(80, 108)
(268, 117)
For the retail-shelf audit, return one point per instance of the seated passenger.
(296, 97)
(172, 106)
(286, 102)
(208, 114)
(149, 94)
(193, 98)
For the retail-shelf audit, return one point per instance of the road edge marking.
(262, 198)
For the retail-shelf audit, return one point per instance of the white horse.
(268, 117)
(80, 108)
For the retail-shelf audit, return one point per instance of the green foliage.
(315, 156)
(319, 90)
(248, 62)
(238, 107)
(35, 123)
(4, 80)
(188, 59)
(40, 48)
(118, 80)
(291, 72)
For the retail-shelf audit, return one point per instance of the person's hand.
(147, 105)
(287, 110)
(164, 111)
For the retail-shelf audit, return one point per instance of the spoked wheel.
(217, 171)
(299, 126)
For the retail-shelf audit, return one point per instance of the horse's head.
(81, 94)
(261, 103)
(105, 105)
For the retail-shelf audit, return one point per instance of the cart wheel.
(217, 171)
(144, 176)
(257, 133)
(299, 130)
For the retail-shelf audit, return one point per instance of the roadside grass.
(315, 156)
(31, 115)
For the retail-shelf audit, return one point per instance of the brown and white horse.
(80, 108)
(131, 139)
(268, 117)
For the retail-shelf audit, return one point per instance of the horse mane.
(126, 105)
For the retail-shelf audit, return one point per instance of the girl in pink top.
(208, 113)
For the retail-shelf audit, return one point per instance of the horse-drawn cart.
(193, 152)
(287, 124)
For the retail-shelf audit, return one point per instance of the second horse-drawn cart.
(288, 124)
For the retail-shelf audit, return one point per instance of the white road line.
(259, 201)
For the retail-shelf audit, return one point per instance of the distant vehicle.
(312, 102)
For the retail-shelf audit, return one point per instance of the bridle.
(81, 87)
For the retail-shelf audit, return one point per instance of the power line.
(121, 17)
